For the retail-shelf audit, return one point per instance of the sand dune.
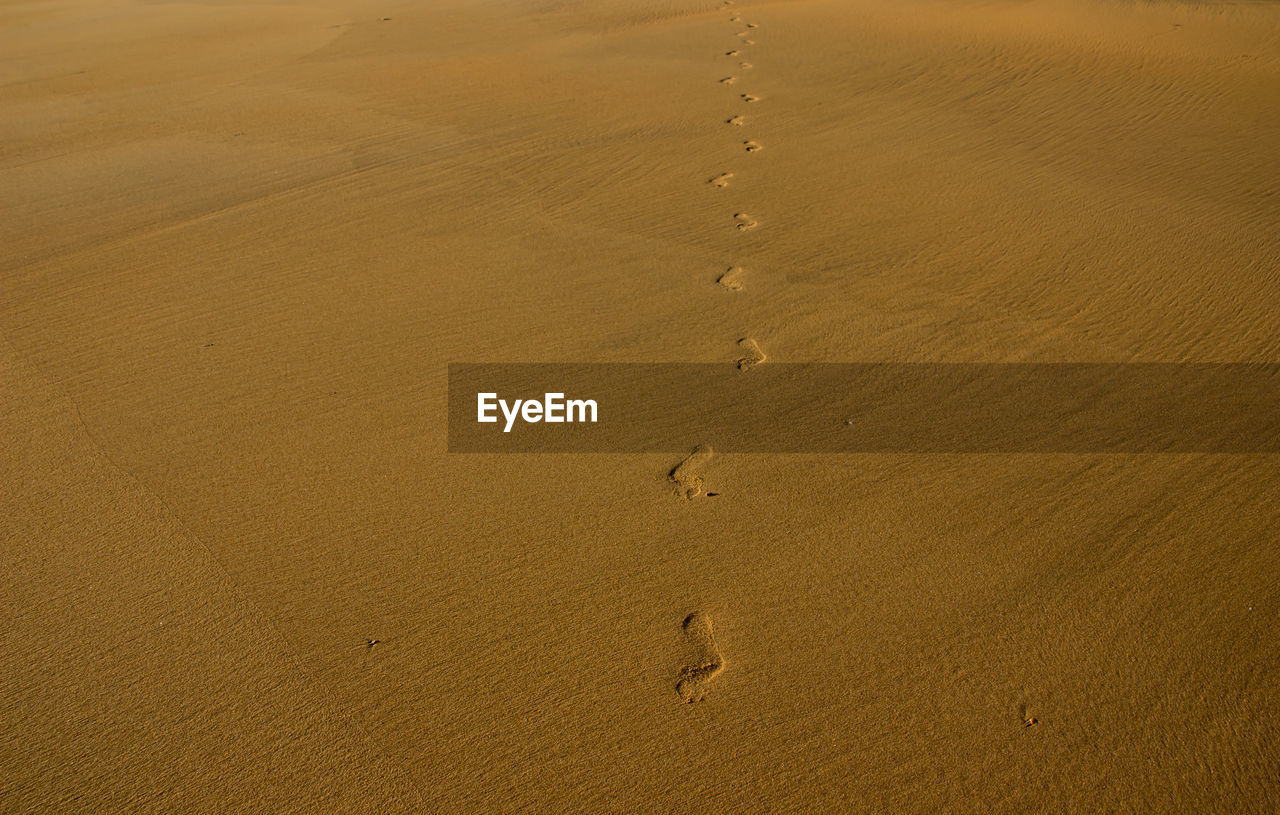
(243, 241)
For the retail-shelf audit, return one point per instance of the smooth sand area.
(241, 242)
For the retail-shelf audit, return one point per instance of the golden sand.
(241, 242)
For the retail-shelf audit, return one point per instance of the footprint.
(752, 146)
(746, 66)
(752, 25)
(744, 33)
(707, 666)
(731, 279)
(728, 80)
(736, 120)
(746, 97)
(735, 19)
(745, 221)
(685, 475)
(732, 53)
(721, 180)
(748, 42)
(754, 356)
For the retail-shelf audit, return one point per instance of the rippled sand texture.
(242, 242)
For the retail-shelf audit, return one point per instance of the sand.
(242, 573)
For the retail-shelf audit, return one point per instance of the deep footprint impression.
(731, 279)
(753, 356)
(709, 664)
(685, 476)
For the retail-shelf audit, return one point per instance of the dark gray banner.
(865, 408)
